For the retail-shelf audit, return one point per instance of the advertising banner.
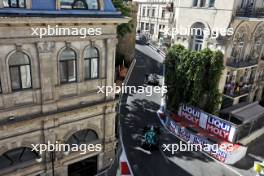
(187, 136)
(208, 122)
(190, 113)
(223, 151)
(218, 127)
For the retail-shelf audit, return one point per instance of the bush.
(193, 78)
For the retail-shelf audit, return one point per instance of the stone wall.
(51, 111)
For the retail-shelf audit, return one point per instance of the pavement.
(139, 110)
(255, 152)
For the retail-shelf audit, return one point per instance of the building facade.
(154, 19)
(243, 48)
(49, 85)
(233, 27)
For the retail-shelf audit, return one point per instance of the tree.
(193, 78)
(124, 28)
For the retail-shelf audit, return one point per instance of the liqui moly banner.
(228, 155)
(213, 124)
(187, 136)
(220, 128)
(190, 113)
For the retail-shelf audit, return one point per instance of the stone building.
(49, 85)
(236, 29)
(155, 19)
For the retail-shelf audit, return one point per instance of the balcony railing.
(237, 89)
(250, 13)
(241, 63)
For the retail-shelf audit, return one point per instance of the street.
(139, 110)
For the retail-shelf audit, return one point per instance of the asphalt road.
(139, 110)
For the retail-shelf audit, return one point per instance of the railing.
(240, 63)
(237, 89)
(249, 12)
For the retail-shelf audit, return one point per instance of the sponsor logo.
(185, 135)
(218, 127)
(191, 114)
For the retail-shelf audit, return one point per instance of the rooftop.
(246, 112)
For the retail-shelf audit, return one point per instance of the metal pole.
(52, 162)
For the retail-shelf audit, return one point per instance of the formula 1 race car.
(152, 79)
(151, 138)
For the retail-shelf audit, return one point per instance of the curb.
(130, 71)
(157, 50)
(122, 150)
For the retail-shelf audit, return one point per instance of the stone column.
(222, 81)
(58, 7)
(28, 4)
(110, 65)
(45, 52)
(109, 135)
(101, 4)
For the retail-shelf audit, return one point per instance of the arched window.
(91, 63)
(20, 71)
(17, 158)
(258, 40)
(197, 36)
(80, 4)
(82, 137)
(239, 44)
(14, 3)
(67, 66)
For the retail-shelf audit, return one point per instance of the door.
(87, 167)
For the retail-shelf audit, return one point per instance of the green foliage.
(122, 29)
(120, 60)
(193, 78)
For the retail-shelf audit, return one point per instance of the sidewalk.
(255, 152)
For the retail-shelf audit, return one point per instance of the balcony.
(241, 63)
(237, 89)
(250, 12)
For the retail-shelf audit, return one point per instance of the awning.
(245, 112)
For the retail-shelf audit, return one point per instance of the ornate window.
(163, 13)
(20, 71)
(258, 43)
(144, 11)
(153, 12)
(211, 3)
(195, 3)
(91, 63)
(82, 137)
(152, 26)
(67, 66)
(202, 3)
(14, 3)
(240, 40)
(80, 4)
(197, 36)
(18, 157)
